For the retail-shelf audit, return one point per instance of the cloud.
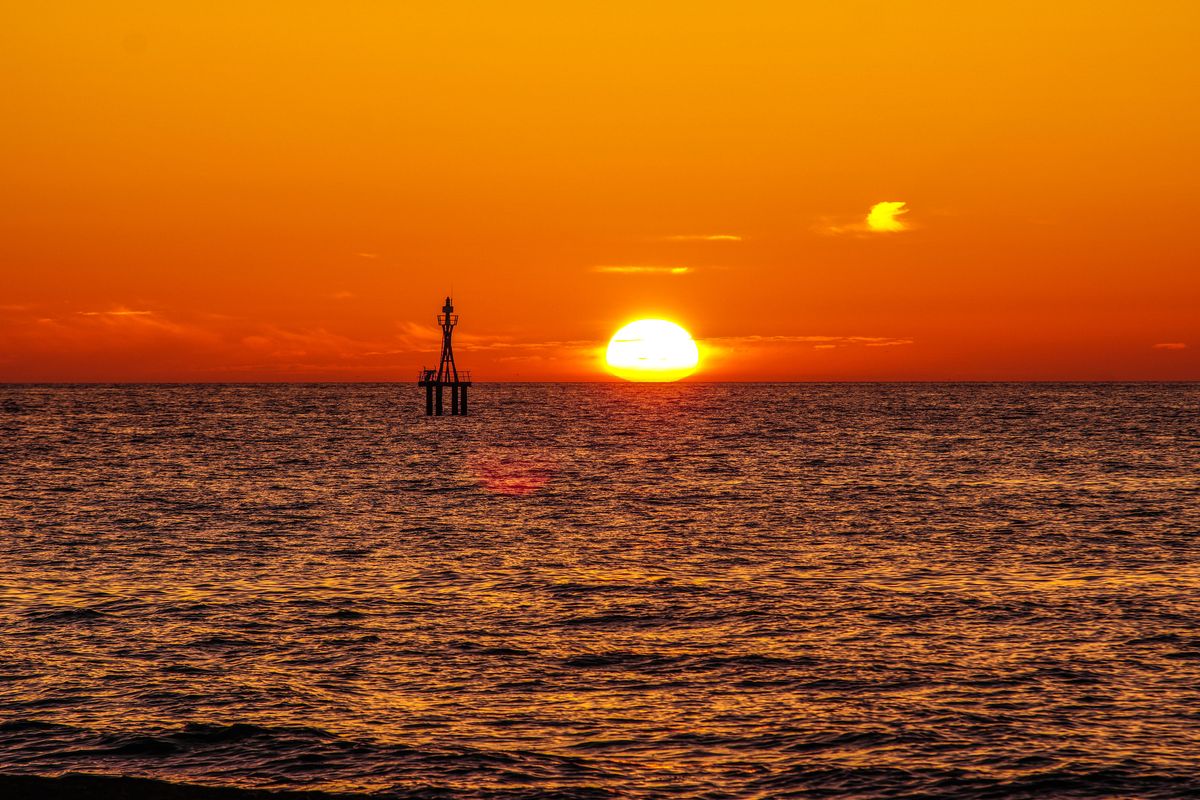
(122, 342)
(120, 312)
(152, 325)
(312, 343)
(1171, 346)
(884, 217)
(502, 344)
(342, 295)
(233, 345)
(126, 323)
(118, 328)
(634, 269)
(702, 237)
(729, 351)
(819, 342)
(367, 255)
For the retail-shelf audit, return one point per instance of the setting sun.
(652, 350)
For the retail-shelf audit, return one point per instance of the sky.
(246, 191)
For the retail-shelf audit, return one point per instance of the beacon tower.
(447, 374)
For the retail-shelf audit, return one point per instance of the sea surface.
(605, 590)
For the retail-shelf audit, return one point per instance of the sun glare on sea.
(652, 350)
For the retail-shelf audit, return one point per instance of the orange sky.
(285, 191)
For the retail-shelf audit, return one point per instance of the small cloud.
(367, 255)
(702, 237)
(120, 312)
(634, 269)
(1171, 346)
(342, 295)
(882, 218)
(819, 342)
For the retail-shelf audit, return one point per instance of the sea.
(601, 591)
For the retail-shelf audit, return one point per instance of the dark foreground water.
(591, 591)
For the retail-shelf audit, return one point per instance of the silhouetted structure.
(447, 374)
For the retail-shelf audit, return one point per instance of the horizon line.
(814, 381)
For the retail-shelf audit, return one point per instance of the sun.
(652, 350)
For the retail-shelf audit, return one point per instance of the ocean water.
(602, 590)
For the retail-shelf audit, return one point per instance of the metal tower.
(447, 373)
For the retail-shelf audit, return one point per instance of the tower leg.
(439, 399)
(462, 401)
(454, 399)
(429, 399)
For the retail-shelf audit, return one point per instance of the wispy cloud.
(315, 343)
(529, 347)
(638, 269)
(367, 255)
(120, 312)
(883, 217)
(702, 237)
(1171, 346)
(125, 327)
(818, 342)
(135, 341)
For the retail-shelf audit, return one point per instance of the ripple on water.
(630, 591)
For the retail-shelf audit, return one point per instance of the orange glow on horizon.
(228, 192)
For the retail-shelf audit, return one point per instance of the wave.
(80, 786)
(801, 780)
(249, 756)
